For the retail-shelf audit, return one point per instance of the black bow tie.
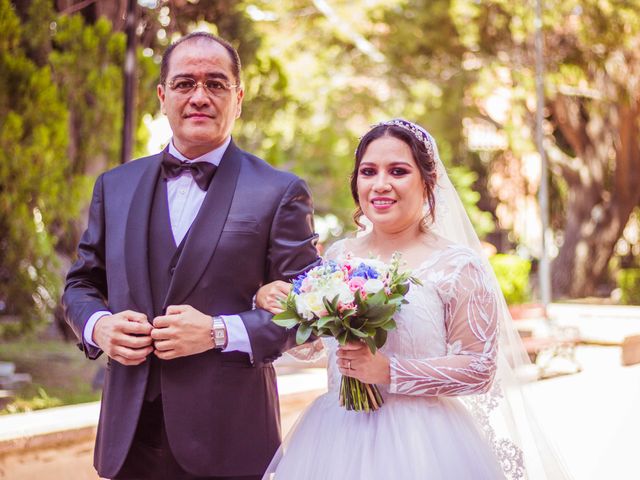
(202, 172)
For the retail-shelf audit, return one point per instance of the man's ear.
(239, 102)
(161, 92)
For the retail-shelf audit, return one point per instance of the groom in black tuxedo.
(177, 245)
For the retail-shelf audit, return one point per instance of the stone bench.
(631, 350)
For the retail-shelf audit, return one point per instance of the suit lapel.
(206, 229)
(136, 240)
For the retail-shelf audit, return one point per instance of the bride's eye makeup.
(399, 171)
(367, 171)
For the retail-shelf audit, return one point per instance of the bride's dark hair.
(421, 155)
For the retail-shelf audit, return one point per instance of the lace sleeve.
(308, 352)
(471, 322)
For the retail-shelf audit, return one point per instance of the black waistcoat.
(163, 257)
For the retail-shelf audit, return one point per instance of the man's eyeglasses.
(187, 86)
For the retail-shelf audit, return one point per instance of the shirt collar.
(214, 156)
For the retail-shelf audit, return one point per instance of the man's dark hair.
(233, 54)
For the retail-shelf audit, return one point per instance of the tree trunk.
(581, 267)
(600, 203)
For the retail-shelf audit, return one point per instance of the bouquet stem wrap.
(359, 396)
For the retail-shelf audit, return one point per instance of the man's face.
(200, 120)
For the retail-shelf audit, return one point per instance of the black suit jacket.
(255, 225)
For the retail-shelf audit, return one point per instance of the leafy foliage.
(34, 192)
(629, 284)
(513, 277)
(592, 117)
(60, 111)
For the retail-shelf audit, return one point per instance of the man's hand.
(124, 337)
(270, 296)
(182, 331)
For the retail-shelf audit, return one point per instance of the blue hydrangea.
(365, 271)
(332, 266)
(297, 283)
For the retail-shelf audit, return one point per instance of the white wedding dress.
(443, 351)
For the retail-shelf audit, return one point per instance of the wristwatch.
(218, 333)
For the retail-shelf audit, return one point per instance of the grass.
(61, 375)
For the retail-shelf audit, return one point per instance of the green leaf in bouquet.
(331, 306)
(304, 332)
(322, 322)
(286, 319)
(371, 344)
(358, 333)
(342, 338)
(402, 289)
(334, 303)
(348, 313)
(290, 303)
(369, 330)
(357, 322)
(397, 303)
(346, 322)
(395, 296)
(361, 306)
(377, 298)
(335, 330)
(390, 325)
(380, 337)
(380, 314)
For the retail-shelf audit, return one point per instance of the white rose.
(308, 304)
(345, 293)
(341, 289)
(373, 285)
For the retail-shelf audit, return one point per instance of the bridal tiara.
(417, 131)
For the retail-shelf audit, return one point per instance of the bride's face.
(390, 187)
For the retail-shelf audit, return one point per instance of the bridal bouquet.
(352, 300)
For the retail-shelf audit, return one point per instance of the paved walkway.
(594, 416)
(57, 443)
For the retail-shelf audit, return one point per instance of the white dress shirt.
(185, 199)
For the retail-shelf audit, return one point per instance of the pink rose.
(356, 283)
(346, 306)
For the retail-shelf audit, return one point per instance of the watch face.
(219, 337)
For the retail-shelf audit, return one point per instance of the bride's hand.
(270, 295)
(356, 360)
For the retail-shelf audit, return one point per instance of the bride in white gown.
(436, 372)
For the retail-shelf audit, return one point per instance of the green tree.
(34, 193)
(592, 117)
(61, 109)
